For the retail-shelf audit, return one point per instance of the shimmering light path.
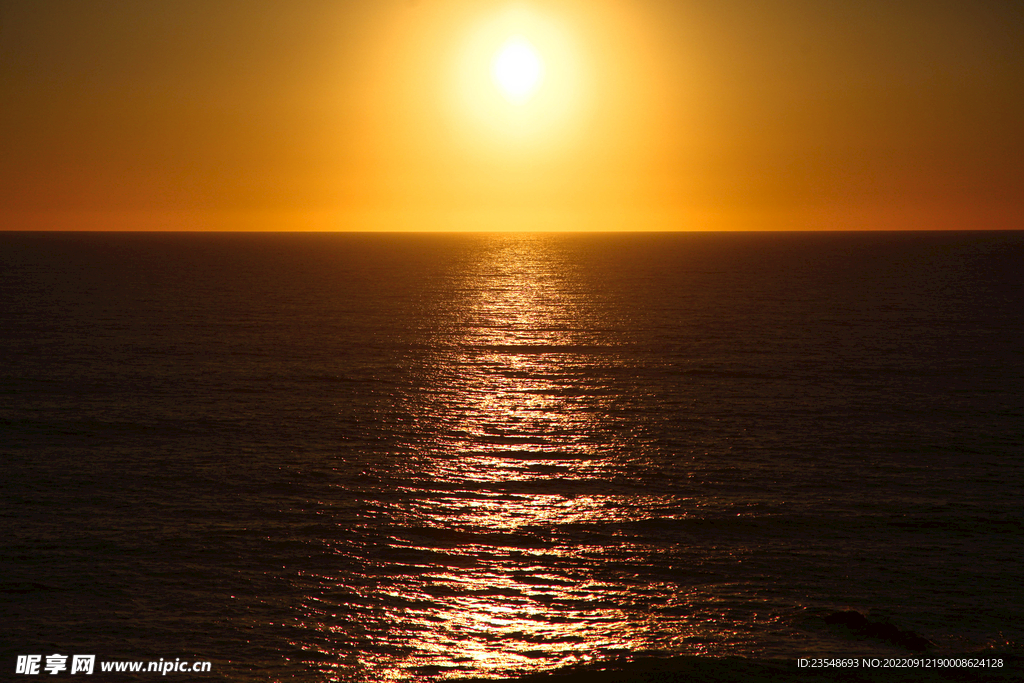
(513, 480)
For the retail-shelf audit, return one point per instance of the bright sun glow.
(517, 70)
(519, 80)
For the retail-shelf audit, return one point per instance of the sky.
(387, 115)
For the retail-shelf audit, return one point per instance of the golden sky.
(386, 115)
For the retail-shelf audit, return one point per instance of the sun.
(517, 70)
(519, 79)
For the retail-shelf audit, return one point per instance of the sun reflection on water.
(501, 551)
(515, 413)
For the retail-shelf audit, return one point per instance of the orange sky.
(653, 115)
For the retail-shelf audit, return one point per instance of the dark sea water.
(377, 457)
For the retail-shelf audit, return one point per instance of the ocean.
(388, 457)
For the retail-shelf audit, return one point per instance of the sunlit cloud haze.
(387, 115)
